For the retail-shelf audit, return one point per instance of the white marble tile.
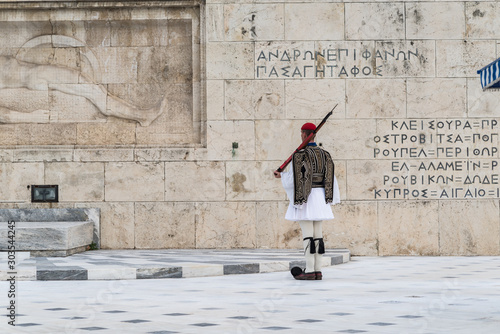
(435, 20)
(318, 21)
(229, 60)
(462, 58)
(374, 21)
(253, 22)
(439, 97)
(201, 270)
(110, 272)
(269, 267)
(482, 20)
(377, 98)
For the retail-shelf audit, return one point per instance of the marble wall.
(414, 137)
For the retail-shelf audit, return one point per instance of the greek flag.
(490, 75)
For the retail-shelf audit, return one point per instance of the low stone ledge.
(48, 238)
(50, 232)
(56, 215)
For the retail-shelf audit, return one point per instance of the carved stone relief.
(114, 70)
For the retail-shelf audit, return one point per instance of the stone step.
(48, 238)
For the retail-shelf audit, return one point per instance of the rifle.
(306, 141)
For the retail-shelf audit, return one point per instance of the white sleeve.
(336, 192)
(287, 182)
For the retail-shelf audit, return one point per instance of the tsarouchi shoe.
(306, 277)
(319, 275)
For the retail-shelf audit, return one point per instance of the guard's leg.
(309, 250)
(320, 248)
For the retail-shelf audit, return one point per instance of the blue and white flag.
(490, 75)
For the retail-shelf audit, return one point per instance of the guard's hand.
(277, 174)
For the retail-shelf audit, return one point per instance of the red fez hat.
(308, 126)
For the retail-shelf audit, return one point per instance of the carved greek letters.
(273, 62)
(438, 159)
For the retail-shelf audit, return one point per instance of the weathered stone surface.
(240, 180)
(276, 140)
(104, 155)
(117, 225)
(439, 20)
(244, 22)
(482, 20)
(365, 102)
(341, 175)
(122, 133)
(166, 154)
(354, 227)
(225, 225)
(324, 21)
(230, 61)
(46, 134)
(459, 58)
(79, 182)
(215, 22)
(221, 135)
(438, 97)
(247, 99)
(313, 99)
(469, 227)
(15, 179)
(187, 181)
(273, 231)
(8, 135)
(6, 155)
(164, 225)
(375, 21)
(265, 183)
(338, 139)
(408, 228)
(15, 34)
(49, 155)
(134, 181)
(215, 100)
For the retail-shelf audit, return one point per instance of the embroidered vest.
(313, 167)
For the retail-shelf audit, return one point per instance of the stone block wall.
(414, 137)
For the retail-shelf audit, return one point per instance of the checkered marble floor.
(366, 295)
(147, 264)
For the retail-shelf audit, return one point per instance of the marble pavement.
(165, 263)
(366, 295)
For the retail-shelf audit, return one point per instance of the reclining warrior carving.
(40, 77)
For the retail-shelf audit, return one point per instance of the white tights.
(311, 228)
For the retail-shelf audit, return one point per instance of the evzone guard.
(312, 189)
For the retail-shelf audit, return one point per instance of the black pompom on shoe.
(296, 271)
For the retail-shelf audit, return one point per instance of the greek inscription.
(438, 159)
(327, 62)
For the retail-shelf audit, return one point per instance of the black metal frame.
(44, 200)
